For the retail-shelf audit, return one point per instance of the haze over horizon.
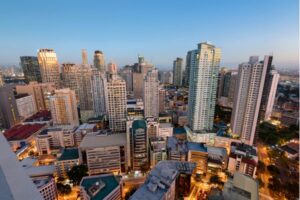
(160, 34)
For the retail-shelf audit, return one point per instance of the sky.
(160, 30)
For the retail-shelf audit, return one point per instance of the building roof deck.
(69, 154)
(22, 132)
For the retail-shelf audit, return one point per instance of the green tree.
(63, 189)
(77, 172)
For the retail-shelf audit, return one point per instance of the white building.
(203, 79)
(247, 100)
(63, 107)
(165, 130)
(116, 102)
(46, 186)
(68, 159)
(270, 103)
(26, 105)
(99, 92)
(150, 93)
(104, 152)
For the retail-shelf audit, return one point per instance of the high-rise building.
(1, 79)
(177, 71)
(9, 115)
(271, 98)
(150, 91)
(162, 99)
(99, 62)
(84, 57)
(127, 73)
(158, 150)
(115, 103)
(203, 78)
(31, 68)
(40, 92)
(49, 66)
(63, 107)
(139, 145)
(98, 85)
(15, 183)
(247, 100)
(69, 77)
(186, 78)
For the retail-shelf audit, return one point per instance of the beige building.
(49, 66)
(150, 94)
(46, 186)
(64, 108)
(40, 93)
(26, 105)
(68, 159)
(116, 103)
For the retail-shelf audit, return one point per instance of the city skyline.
(160, 35)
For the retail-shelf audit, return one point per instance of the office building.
(177, 71)
(243, 158)
(247, 100)
(162, 99)
(68, 159)
(135, 109)
(150, 93)
(152, 127)
(115, 103)
(98, 85)
(204, 66)
(105, 186)
(139, 145)
(104, 152)
(63, 107)
(99, 62)
(46, 186)
(84, 57)
(15, 183)
(167, 180)
(40, 92)
(165, 130)
(31, 68)
(9, 115)
(26, 105)
(49, 66)
(158, 150)
(272, 93)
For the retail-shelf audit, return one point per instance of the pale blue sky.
(159, 30)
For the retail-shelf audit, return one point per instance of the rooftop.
(100, 139)
(69, 154)
(21, 95)
(160, 179)
(250, 150)
(43, 115)
(86, 126)
(179, 130)
(194, 146)
(174, 144)
(98, 187)
(41, 181)
(22, 132)
(165, 125)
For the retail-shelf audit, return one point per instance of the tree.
(273, 170)
(63, 189)
(77, 172)
(215, 179)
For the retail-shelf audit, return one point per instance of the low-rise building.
(243, 158)
(152, 127)
(197, 153)
(168, 180)
(165, 130)
(100, 187)
(158, 150)
(46, 186)
(103, 152)
(82, 130)
(68, 159)
(176, 149)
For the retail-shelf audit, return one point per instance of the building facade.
(177, 71)
(31, 68)
(26, 105)
(204, 66)
(150, 93)
(99, 62)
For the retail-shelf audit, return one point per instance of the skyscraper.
(31, 68)
(247, 99)
(99, 62)
(139, 145)
(177, 71)
(150, 93)
(49, 66)
(9, 115)
(84, 57)
(115, 100)
(99, 87)
(270, 102)
(64, 108)
(186, 77)
(162, 99)
(204, 66)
